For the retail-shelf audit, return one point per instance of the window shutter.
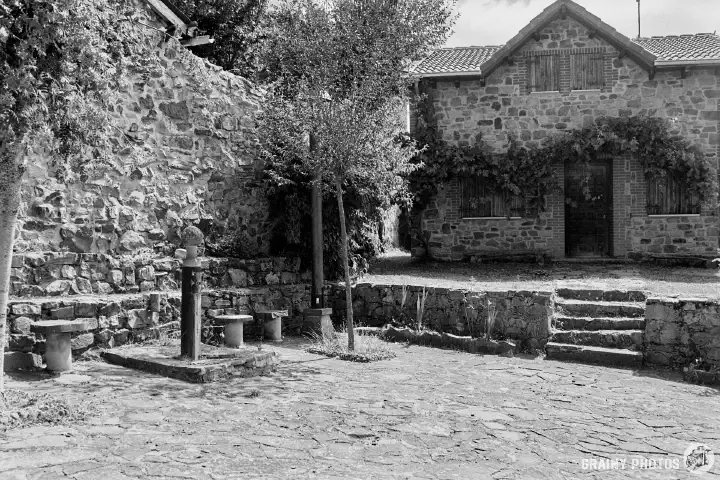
(534, 64)
(550, 72)
(587, 71)
(544, 74)
(669, 196)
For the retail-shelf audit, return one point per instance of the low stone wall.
(523, 315)
(54, 274)
(679, 235)
(678, 331)
(116, 320)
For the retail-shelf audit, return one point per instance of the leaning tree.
(60, 63)
(341, 77)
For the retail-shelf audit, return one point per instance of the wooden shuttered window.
(669, 196)
(544, 74)
(478, 201)
(587, 71)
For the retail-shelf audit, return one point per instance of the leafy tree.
(60, 61)
(236, 27)
(340, 77)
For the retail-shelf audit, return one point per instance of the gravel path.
(428, 413)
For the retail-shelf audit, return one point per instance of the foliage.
(369, 348)
(22, 409)
(529, 172)
(338, 70)
(236, 27)
(59, 61)
(518, 171)
(238, 244)
(290, 207)
(650, 140)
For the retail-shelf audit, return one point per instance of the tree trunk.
(9, 202)
(346, 266)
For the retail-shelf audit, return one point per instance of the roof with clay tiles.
(695, 47)
(456, 60)
(648, 52)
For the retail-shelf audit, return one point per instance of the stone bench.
(272, 323)
(233, 328)
(58, 353)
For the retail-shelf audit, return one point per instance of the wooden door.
(588, 220)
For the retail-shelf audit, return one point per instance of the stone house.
(185, 153)
(564, 70)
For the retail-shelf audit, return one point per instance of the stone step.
(601, 338)
(599, 309)
(617, 357)
(593, 324)
(601, 295)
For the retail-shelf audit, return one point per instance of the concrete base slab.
(215, 363)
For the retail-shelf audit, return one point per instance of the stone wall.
(56, 274)
(678, 331)
(120, 319)
(185, 152)
(466, 111)
(521, 315)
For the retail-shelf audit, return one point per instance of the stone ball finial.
(192, 237)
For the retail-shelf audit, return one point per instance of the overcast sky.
(494, 22)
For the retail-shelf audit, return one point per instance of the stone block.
(63, 313)
(121, 337)
(68, 271)
(136, 318)
(82, 341)
(21, 361)
(27, 309)
(21, 325)
(84, 286)
(115, 277)
(146, 273)
(61, 287)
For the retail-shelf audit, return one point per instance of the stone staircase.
(596, 326)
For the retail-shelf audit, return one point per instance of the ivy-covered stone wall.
(185, 152)
(467, 111)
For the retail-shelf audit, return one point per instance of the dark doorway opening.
(588, 210)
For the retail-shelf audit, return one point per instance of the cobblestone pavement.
(426, 414)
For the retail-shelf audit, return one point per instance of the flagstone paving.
(428, 413)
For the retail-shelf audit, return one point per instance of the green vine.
(529, 172)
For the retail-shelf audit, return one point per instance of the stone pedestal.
(233, 328)
(317, 321)
(58, 352)
(272, 324)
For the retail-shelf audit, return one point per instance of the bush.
(290, 210)
(237, 244)
(368, 348)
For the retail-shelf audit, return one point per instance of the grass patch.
(23, 409)
(368, 348)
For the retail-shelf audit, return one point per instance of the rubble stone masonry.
(185, 152)
(467, 111)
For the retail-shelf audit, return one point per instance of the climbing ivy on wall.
(529, 172)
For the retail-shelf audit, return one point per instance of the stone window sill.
(592, 90)
(492, 218)
(675, 215)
